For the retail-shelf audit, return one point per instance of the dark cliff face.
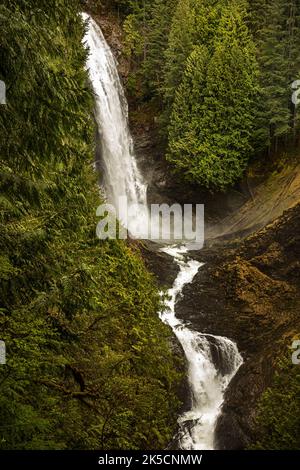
(251, 294)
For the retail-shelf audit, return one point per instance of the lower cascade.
(212, 360)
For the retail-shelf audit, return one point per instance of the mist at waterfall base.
(212, 360)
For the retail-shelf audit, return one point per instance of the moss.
(88, 361)
(279, 409)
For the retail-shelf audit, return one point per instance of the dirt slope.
(266, 200)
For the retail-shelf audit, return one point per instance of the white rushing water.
(121, 174)
(212, 360)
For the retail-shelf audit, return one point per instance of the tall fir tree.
(180, 44)
(157, 41)
(194, 23)
(210, 135)
(276, 28)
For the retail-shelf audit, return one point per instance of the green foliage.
(157, 35)
(181, 40)
(276, 25)
(146, 26)
(163, 35)
(88, 361)
(193, 23)
(133, 40)
(212, 116)
(278, 415)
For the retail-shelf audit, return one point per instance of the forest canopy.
(220, 73)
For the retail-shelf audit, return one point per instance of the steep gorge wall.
(250, 292)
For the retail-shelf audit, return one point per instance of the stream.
(212, 361)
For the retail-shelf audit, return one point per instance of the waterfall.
(120, 172)
(212, 360)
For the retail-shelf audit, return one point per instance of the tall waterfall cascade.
(212, 360)
(122, 177)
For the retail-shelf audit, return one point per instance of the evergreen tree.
(276, 28)
(292, 32)
(157, 40)
(210, 135)
(180, 44)
(258, 16)
(273, 116)
(187, 113)
(194, 23)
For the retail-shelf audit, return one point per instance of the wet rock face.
(221, 362)
(160, 264)
(236, 427)
(249, 294)
(111, 26)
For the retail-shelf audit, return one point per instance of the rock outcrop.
(251, 294)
